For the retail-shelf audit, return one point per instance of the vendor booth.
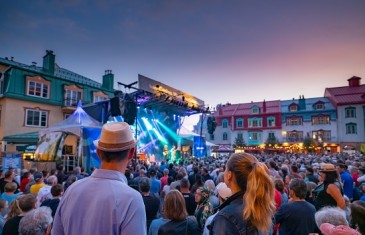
(70, 142)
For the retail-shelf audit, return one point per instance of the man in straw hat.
(103, 203)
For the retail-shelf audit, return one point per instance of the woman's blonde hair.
(174, 206)
(253, 178)
(14, 209)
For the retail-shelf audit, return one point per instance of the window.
(225, 136)
(351, 128)
(240, 136)
(38, 87)
(321, 135)
(72, 97)
(254, 122)
(319, 105)
(254, 136)
(225, 123)
(99, 96)
(36, 118)
(66, 116)
(271, 135)
(350, 112)
(211, 136)
(320, 120)
(255, 110)
(293, 108)
(294, 121)
(271, 121)
(239, 123)
(294, 136)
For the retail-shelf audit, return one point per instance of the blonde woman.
(251, 207)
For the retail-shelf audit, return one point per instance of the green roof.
(23, 138)
(58, 72)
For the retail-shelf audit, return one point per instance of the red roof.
(346, 95)
(246, 108)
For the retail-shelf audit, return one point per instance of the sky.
(216, 50)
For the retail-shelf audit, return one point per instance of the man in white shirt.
(45, 192)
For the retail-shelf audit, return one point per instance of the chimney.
(108, 80)
(354, 81)
(49, 62)
(264, 107)
(301, 103)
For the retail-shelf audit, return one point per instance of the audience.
(36, 222)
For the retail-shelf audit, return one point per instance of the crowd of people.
(240, 193)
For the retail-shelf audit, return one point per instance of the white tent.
(183, 132)
(76, 133)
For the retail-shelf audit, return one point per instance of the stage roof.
(159, 97)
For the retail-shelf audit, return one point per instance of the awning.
(23, 138)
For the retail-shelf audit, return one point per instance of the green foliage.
(308, 144)
(239, 142)
(272, 140)
(211, 124)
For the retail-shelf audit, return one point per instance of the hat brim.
(118, 149)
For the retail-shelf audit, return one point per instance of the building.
(349, 102)
(33, 97)
(254, 123)
(334, 123)
(314, 118)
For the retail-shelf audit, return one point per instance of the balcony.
(293, 139)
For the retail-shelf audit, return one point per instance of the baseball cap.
(38, 175)
(224, 191)
(330, 229)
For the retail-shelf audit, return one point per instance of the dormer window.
(293, 107)
(37, 86)
(319, 105)
(255, 110)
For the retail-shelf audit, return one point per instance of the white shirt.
(43, 194)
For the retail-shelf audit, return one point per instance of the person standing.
(346, 180)
(251, 207)
(329, 192)
(114, 208)
(297, 216)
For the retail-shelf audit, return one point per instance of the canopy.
(79, 124)
(223, 149)
(74, 123)
(183, 132)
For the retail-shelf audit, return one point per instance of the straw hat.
(327, 167)
(114, 137)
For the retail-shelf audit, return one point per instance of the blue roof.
(309, 104)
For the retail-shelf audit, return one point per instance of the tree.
(211, 124)
(239, 142)
(308, 144)
(272, 140)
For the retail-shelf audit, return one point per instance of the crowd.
(275, 194)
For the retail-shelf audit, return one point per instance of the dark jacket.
(229, 219)
(184, 227)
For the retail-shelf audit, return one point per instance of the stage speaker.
(115, 107)
(130, 109)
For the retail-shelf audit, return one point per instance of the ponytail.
(259, 197)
